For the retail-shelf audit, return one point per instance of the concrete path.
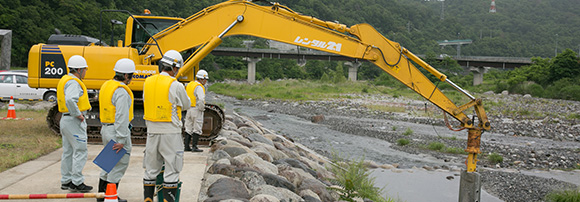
(42, 176)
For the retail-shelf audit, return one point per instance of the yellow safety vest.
(190, 89)
(108, 110)
(83, 102)
(156, 100)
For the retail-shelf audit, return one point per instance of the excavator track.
(213, 122)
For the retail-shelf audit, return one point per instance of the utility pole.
(556, 50)
(442, 9)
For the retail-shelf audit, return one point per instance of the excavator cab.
(137, 34)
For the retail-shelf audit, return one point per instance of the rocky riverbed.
(539, 139)
(531, 134)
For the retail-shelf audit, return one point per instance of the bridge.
(477, 64)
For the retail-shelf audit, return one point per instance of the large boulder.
(222, 169)
(280, 193)
(296, 164)
(256, 137)
(252, 180)
(278, 181)
(317, 187)
(228, 188)
(264, 198)
(258, 163)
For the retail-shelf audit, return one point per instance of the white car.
(15, 83)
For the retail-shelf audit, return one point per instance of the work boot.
(66, 186)
(195, 138)
(195, 149)
(186, 142)
(81, 187)
(148, 190)
(119, 199)
(169, 191)
(102, 188)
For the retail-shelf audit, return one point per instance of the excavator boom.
(205, 29)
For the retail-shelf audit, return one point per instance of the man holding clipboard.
(116, 113)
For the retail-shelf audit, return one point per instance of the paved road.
(42, 176)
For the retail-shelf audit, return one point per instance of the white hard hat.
(125, 65)
(171, 58)
(77, 61)
(202, 74)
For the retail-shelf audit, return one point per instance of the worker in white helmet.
(73, 103)
(194, 117)
(164, 99)
(116, 113)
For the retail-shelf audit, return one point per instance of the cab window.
(153, 26)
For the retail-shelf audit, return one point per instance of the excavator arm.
(205, 29)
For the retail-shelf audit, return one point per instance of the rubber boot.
(186, 142)
(102, 188)
(148, 190)
(169, 191)
(195, 138)
(119, 199)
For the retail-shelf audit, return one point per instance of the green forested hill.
(518, 29)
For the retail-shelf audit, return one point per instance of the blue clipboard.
(108, 157)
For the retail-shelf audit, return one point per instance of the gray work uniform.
(118, 132)
(164, 140)
(74, 136)
(194, 117)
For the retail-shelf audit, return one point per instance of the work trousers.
(74, 149)
(108, 133)
(193, 121)
(163, 149)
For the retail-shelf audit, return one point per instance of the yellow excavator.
(148, 36)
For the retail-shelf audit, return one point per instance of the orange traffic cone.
(111, 193)
(11, 109)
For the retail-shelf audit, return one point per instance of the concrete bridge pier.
(478, 74)
(353, 69)
(5, 48)
(252, 69)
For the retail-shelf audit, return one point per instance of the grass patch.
(408, 132)
(563, 196)
(353, 178)
(24, 140)
(403, 142)
(437, 146)
(573, 116)
(495, 158)
(292, 89)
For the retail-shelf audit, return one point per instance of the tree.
(565, 65)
